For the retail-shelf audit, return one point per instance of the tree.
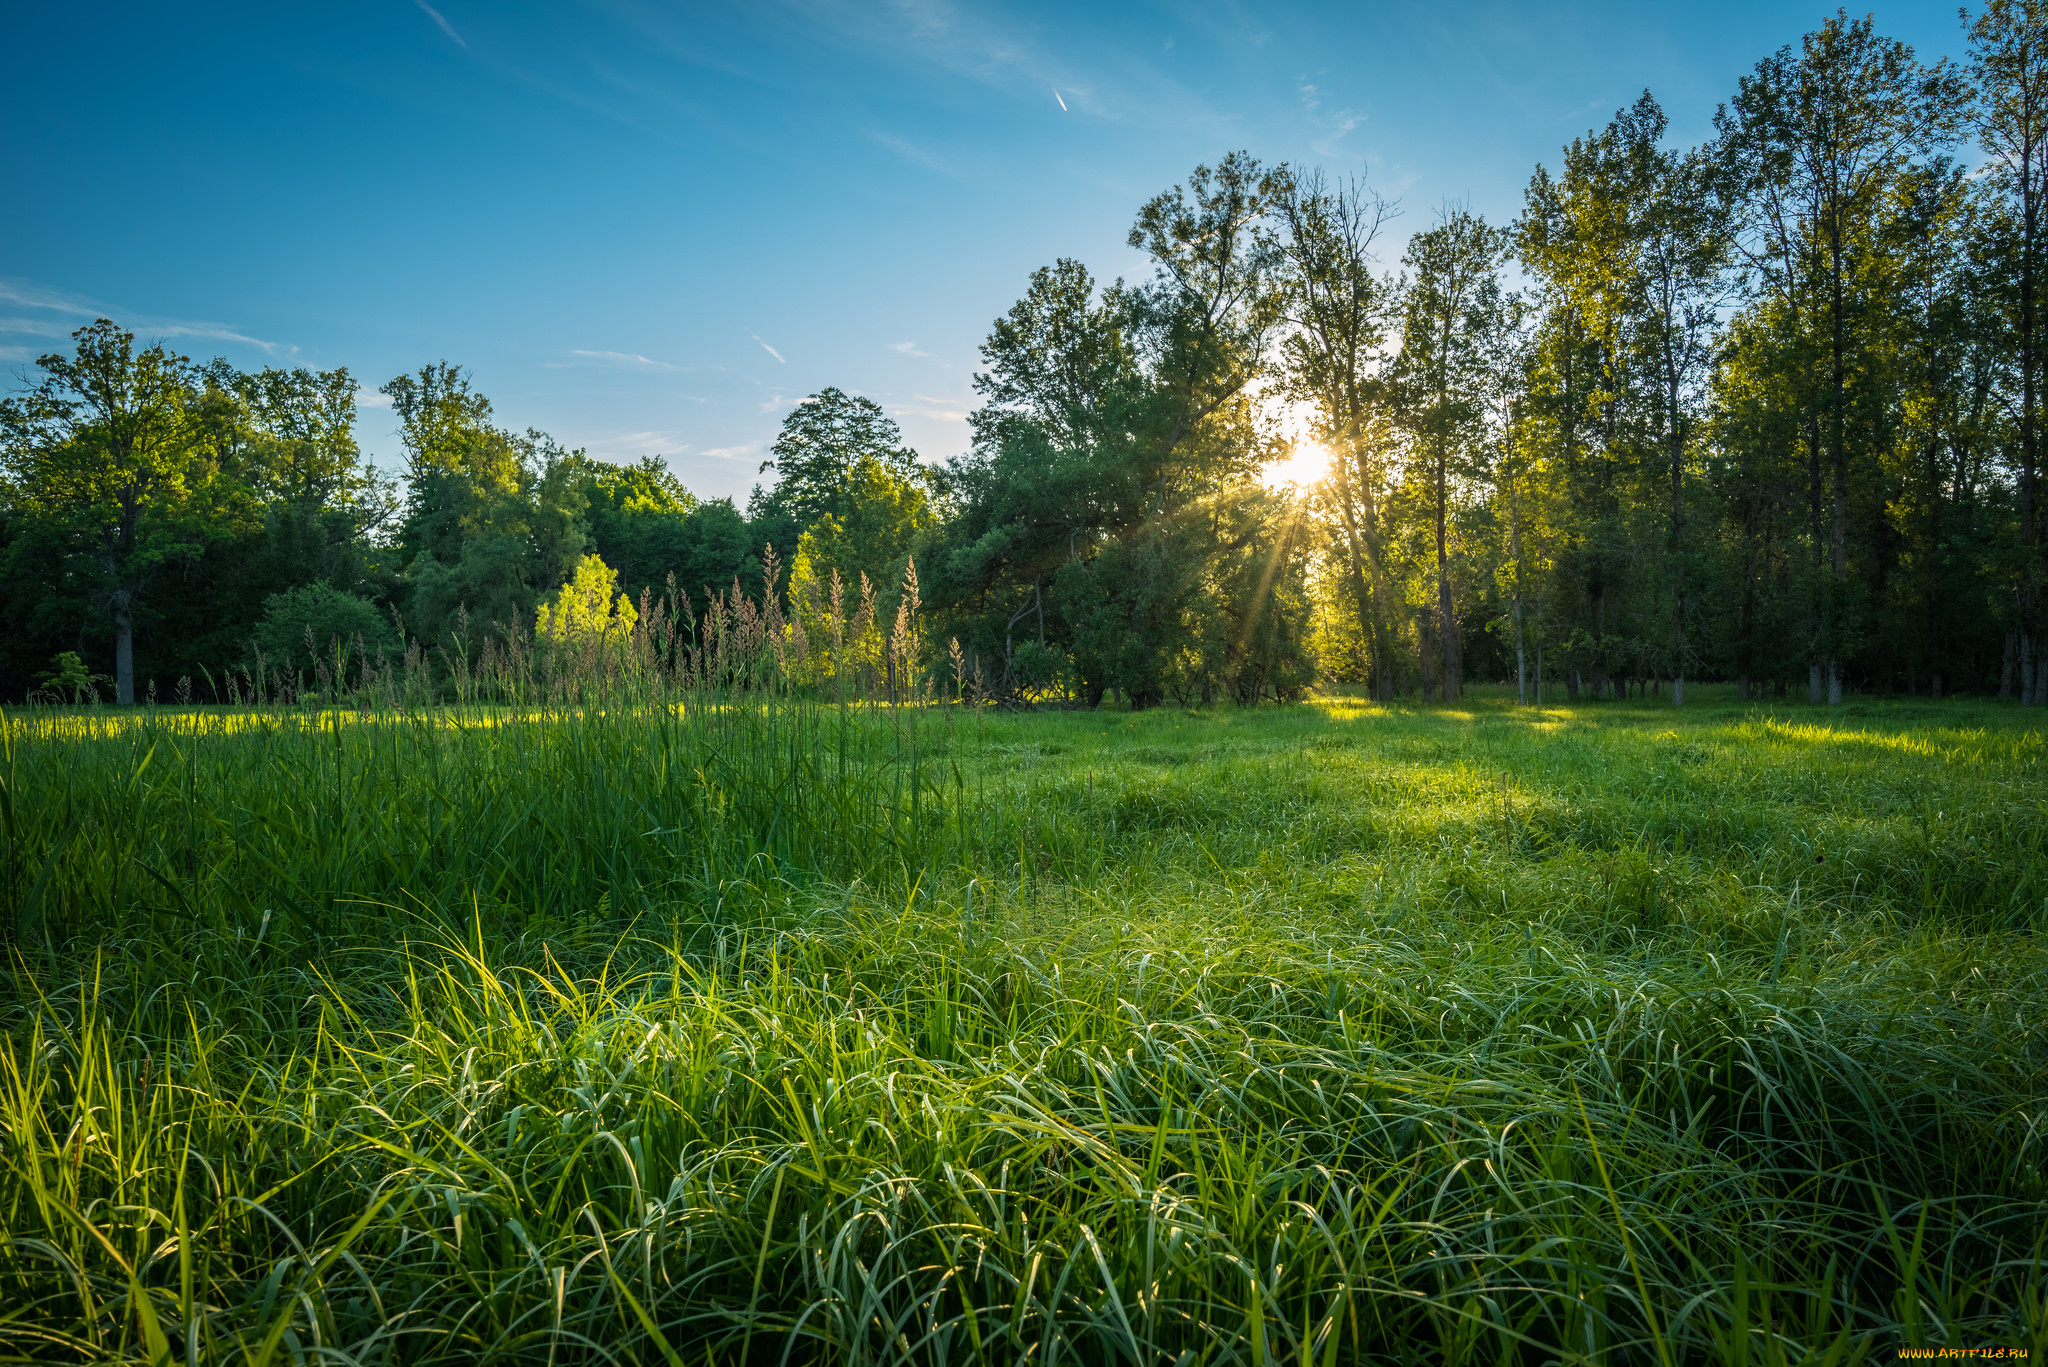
(1107, 489)
(1330, 358)
(492, 521)
(587, 608)
(108, 451)
(1451, 306)
(821, 447)
(306, 628)
(882, 519)
(1051, 471)
(1200, 331)
(1630, 243)
(1814, 145)
(2009, 61)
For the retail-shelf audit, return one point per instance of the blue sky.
(651, 228)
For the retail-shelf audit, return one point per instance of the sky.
(651, 229)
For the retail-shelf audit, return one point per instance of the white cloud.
(28, 294)
(36, 327)
(1335, 125)
(370, 398)
(147, 327)
(907, 348)
(446, 27)
(747, 451)
(633, 445)
(771, 351)
(941, 410)
(630, 360)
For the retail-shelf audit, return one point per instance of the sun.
(1308, 464)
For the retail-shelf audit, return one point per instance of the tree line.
(1765, 410)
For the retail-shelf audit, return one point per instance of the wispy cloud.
(746, 451)
(446, 27)
(910, 151)
(36, 327)
(907, 348)
(71, 309)
(1335, 125)
(633, 445)
(926, 406)
(1018, 56)
(30, 295)
(771, 351)
(370, 398)
(628, 360)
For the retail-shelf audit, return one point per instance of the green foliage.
(588, 606)
(820, 457)
(1108, 504)
(109, 460)
(316, 625)
(882, 518)
(67, 678)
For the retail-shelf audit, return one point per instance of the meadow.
(778, 1031)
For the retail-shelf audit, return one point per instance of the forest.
(1764, 411)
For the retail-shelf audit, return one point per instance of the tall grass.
(726, 1022)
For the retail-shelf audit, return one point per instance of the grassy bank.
(1609, 1033)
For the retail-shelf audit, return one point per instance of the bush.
(311, 624)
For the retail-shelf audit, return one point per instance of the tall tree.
(1051, 471)
(1815, 143)
(1450, 308)
(107, 448)
(2009, 61)
(1108, 489)
(820, 449)
(492, 521)
(1339, 314)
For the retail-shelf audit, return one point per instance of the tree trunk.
(2005, 669)
(1838, 532)
(2030, 549)
(1813, 692)
(1677, 542)
(1448, 627)
(1429, 660)
(1521, 664)
(1601, 683)
(124, 649)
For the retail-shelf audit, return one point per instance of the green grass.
(1335, 1032)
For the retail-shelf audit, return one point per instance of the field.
(778, 1031)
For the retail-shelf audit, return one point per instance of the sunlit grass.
(1610, 1033)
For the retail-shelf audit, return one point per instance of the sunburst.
(1307, 464)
